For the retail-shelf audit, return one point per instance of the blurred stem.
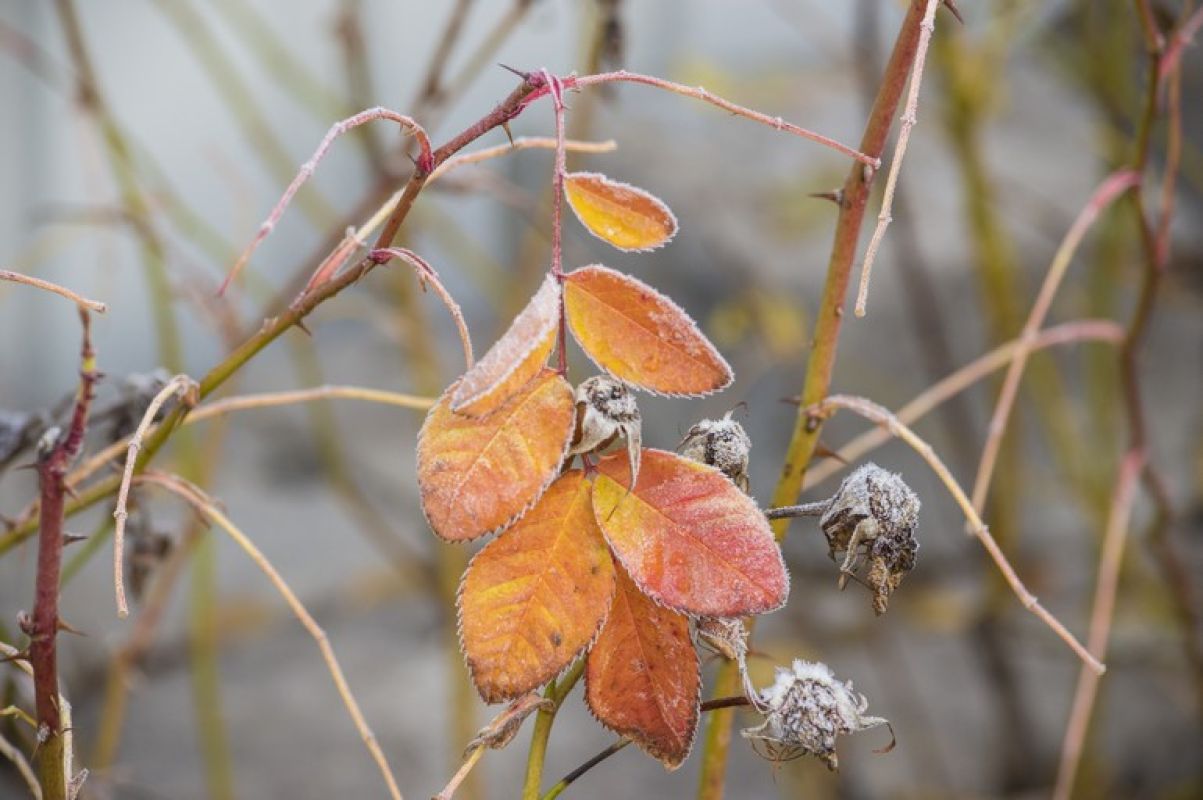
(195, 32)
(206, 675)
(556, 692)
(821, 364)
(360, 88)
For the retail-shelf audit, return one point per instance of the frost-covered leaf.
(513, 359)
(622, 215)
(535, 596)
(640, 336)
(689, 537)
(642, 677)
(477, 475)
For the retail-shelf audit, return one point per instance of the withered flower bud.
(874, 514)
(726, 636)
(605, 408)
(805, 709)
(721, 443)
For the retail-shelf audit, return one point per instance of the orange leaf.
(642, 677)
(476, 476)
(623, 215)
(513, 359)
(640, 336)
(690, 539)
(534, 598)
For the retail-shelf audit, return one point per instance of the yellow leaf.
(640, 336)
(534, 598)
(478, 475)
(623, 215)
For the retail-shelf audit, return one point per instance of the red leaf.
(690, 539)
(642, 676)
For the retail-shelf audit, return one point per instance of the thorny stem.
(557, 210)
(1087, 330)
(698, 93)
(556, 692)
(428, 273)
(1111, 188)
(206, 507)
(183, 386)
(54, 457)
(805, 436)
(875, 413)
(1115, 537)
(909, 118)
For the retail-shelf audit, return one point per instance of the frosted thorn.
(952, 8)
(836, 196)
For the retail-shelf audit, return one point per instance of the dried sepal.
(721, 443)
(804, 711)
(513, 359)
(642, 677)
(502, 729)
(639, 336)
(479, 475)
(534, 598)
(619, 214)
(873, 515)
(689, 537)
(605, 410)
(725, 636)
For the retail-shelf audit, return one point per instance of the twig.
(871, 411)
(470, 760)
(520, 143)
(1111, 188)
(425, 161)
(909, 118)
(1118, 519)
(79, 300)
(1087, 330)
(699, 93)
(431, 88)
(620, 743)
(273, 399)
(556, 692)
(56, 451)
(428, 273)
(206, 507)
(9, 751)
(186, 388)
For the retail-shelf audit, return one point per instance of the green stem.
(819, 368)
(556, 692)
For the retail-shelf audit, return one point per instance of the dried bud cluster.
(721, 443)
(874, 513)
(605, 408)
(805, 709)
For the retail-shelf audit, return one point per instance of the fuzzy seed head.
(721, 443)
(804, 710)
(605, 409)
(874, 514)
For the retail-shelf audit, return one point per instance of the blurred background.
(142, 192)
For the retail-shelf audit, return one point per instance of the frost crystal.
(721, 443)
(805, 709)
(873, 514)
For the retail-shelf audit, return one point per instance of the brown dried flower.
(605, 408)
(721, 443)
(805, 709)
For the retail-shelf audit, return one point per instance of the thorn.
(67, 627)
(826, 452)
(505, 126)
(69, 490)
(25, 623)
(300, 323)
(72, 538)
(956, 12)
(794, 400)
(835, 195)
(526, 76)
